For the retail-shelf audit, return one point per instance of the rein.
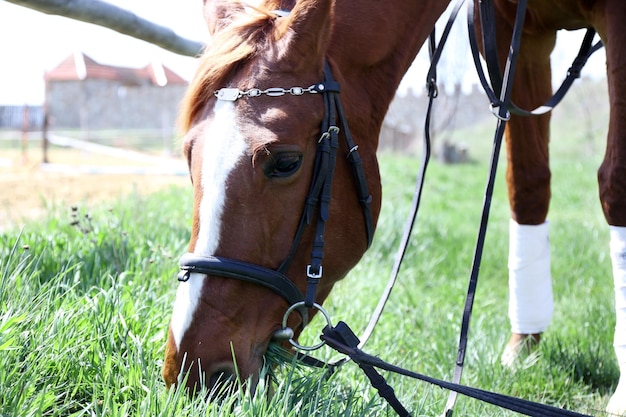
(342, 338)
(499, 94)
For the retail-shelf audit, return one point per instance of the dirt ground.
(27, 188)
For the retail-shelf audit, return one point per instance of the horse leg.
(528, 184)
(612, 180)
(530, 288)
(617, 403)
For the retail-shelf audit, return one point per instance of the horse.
(265, 137)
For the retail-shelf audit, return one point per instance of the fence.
(21, 117)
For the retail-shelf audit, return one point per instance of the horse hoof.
(520, 351)
(617, 403)
(510, 356)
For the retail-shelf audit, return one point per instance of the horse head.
(255, 118)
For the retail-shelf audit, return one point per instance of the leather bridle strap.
(230, 268)
(365, 198)
(320, 191)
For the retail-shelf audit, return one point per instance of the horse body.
(251, 159)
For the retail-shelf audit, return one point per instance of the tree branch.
(104, 14)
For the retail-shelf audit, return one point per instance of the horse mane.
(244, 33)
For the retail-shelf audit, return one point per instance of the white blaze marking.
(223, 147)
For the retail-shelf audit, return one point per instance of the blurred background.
(77, 98)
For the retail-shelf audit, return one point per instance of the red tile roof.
(79, 66)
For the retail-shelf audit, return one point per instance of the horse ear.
(217, 13)
(307, 29)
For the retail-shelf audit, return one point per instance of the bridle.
(316, 208)
(341, 337)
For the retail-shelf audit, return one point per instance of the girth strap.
(493, 83)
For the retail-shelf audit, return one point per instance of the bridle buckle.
(313, 275)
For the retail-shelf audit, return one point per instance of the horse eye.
(284, 165)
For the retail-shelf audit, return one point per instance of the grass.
(85, 297)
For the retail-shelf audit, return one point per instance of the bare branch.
(105, 14)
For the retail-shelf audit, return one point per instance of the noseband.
(317, 203)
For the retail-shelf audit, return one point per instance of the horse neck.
(373, 44)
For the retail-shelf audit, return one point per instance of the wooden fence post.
(44, 139)
(25, 129)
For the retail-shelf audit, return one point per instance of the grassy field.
(86, 295)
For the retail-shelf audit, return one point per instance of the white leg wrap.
(530, 282)
(617, 404)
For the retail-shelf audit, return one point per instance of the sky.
(32, 42)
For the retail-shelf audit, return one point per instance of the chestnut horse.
(252, 118)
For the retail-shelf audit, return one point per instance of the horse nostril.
(219, 378)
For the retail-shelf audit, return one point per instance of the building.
(83, 94)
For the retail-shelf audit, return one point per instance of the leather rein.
(498, 90)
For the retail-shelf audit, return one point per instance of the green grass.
(85, 298)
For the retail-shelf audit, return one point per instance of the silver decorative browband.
(233, 94)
